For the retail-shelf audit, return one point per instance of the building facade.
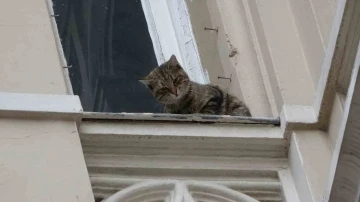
(295, 63)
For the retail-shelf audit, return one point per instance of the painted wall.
(206, 41)
(29, 59)
(235, 50)
(272, 51)
(40, 159)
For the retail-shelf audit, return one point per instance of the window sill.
(181, 118)
(163, 134)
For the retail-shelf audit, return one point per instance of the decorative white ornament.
(178, 191)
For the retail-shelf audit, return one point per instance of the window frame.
(177, 43)
(180, 42)
(170, 29)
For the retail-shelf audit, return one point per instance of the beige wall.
(272, 50)
(206, 41)
(29, 59)
(234, 51)
(337, 113)
(40, 160)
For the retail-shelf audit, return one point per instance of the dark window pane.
(108, 45)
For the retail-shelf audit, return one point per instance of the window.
(109, 45)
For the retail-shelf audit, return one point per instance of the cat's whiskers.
(156, 105)
(165, 105)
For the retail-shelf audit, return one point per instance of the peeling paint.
(233, 50)
(185, 41)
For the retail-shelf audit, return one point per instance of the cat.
(171, 86)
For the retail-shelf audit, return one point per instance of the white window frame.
(171, 33)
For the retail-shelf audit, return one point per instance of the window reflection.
(108, 45)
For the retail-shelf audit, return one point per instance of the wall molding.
(21, 105)
(341, 42)
(344, 177)
(120, 153)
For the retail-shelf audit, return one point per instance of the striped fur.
(171, 86)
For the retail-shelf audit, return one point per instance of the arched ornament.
(178, 191)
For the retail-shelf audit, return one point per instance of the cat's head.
(168, 82)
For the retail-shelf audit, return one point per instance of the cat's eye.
(163, 90)
(177, 80)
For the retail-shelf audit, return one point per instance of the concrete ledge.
(154, 138)
(185, 118)
(40, 105)
(297, 116)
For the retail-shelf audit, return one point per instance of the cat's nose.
(174, 91)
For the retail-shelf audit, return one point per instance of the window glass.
(108, 46)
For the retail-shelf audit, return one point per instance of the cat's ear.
(145, 81)
(173, 62)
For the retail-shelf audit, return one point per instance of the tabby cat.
(171, 86)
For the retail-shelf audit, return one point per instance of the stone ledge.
(23, 105)
(185, 139)
(297, 117)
